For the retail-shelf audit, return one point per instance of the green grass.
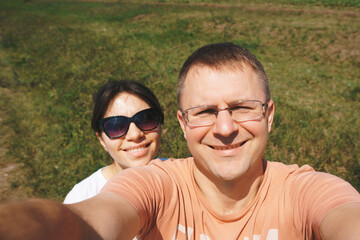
(55, 54)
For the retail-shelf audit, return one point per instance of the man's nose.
(224, 124)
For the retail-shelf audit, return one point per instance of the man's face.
(226, 150)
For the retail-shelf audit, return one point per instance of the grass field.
(55, 54)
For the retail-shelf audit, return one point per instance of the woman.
(127, 120)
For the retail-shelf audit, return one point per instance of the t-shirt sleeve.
(144, 188)
(318, 193)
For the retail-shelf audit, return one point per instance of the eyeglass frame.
(185, 112)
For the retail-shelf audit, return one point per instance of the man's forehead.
(205, 85)
(205, 73)
(229, 67)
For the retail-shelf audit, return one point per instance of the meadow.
(55, 54)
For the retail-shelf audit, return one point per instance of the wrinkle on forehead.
(229, 66)
(203, 77)
(220, 67)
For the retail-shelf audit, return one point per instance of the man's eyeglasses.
(117, 126)
(240, 111)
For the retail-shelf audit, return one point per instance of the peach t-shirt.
(290, 203)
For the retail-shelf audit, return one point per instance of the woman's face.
(136, 147)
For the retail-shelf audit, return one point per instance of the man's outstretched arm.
(106, 216)
(342, 223)
(42, 219)
(110, 215)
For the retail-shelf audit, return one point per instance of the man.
(226, 190)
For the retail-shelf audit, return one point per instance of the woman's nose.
(134, 133)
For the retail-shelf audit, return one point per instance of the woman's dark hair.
(108, 92)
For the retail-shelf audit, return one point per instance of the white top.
(87, 188)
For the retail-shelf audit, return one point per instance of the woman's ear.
(101, 140)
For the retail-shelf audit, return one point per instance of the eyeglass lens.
(240, 111)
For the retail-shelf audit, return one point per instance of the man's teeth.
(136, 149)
(228, 147)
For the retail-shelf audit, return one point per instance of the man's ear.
(182, 122)
(270, 114)
(101, 141)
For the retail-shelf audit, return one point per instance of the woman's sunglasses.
(117, 126)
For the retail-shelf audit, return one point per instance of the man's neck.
(229, 197)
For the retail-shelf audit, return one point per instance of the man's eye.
(241, 108)
(206, 112)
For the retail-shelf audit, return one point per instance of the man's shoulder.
(172, 166)
(302, 177)
(293, 174)
(156, 177)
(172, 162)
(279, 167)
(159, 169)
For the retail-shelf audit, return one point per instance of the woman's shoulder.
(86, 188)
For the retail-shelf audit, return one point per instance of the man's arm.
(42, 219)
(107, 216)
(342, 223)
(110, 215)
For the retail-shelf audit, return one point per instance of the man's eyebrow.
(216, 105)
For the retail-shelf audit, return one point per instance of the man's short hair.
(220, 55)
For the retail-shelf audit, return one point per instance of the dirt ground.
(10, 171)
(5, 175)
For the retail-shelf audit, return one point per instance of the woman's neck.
(110, 171)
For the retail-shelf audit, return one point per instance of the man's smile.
(228, 147)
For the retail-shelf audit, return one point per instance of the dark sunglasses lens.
(116, 127)
(147, 120)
